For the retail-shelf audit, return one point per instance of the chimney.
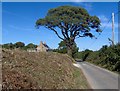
(41, 42)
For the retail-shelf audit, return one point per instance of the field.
(44, 70)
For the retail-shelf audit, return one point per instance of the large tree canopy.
(74, 22)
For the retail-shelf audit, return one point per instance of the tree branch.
(77, 31)
(55, 32)
(80, 36)
(64, 30)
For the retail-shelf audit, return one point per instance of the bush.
(107, 57)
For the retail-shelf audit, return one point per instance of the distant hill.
(42, 70)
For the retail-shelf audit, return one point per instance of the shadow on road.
(79, 60)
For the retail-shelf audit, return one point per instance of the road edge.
(78, 66)
(102, 68)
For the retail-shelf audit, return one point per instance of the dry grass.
(40, 70)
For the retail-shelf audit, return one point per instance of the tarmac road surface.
(99, 78)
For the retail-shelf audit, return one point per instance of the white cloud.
(86, 5)
(106, 22)
(109, 25)
(103, 18)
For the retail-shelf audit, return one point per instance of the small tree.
(63, 49)
(19, 44)
(31, 46)
(85, 54)
(8, 46)
(73, 22)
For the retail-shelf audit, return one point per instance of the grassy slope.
(40, 70)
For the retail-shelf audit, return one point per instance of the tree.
(8, 46)
(63, 49)
(11, 46)
(62, 45)
(31, 46)
(73, 22)
(19, 44)
(85, 54)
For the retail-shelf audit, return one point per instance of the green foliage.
(62, 48)
(79, 55)
(74, 22)
(8, 46)
(75, 51)
(86, 54)
(107, 57)
(31, 46)
(62, 45)
(71, 16)
(19, 44)
(83, 54)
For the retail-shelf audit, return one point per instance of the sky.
(18, 23)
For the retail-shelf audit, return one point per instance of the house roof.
(43, 44)
(46, 45)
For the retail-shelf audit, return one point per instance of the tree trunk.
(69, 44)
(69, 51)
